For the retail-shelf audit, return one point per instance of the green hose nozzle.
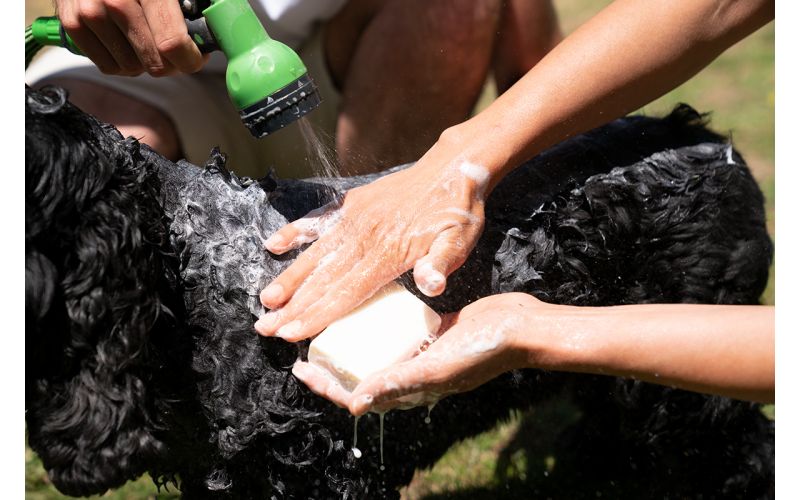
(267, 81)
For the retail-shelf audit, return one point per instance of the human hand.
(127, 37)
(475, 345)
(427, 217)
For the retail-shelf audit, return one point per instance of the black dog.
(142, 282)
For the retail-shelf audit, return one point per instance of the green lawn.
(738, 88)
(38, 487)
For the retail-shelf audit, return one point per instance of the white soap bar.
(388, 328)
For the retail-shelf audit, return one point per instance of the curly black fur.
(142, 281)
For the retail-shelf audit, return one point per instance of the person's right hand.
(128, 37)
(473, 346)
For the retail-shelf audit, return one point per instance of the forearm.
(726, 350)
(629, 54)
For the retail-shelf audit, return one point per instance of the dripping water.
(428, 417)
(356, 451)
(321, 155)
(381, 414)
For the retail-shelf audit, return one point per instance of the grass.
(510, 461)
(38, 486)
(738, 88)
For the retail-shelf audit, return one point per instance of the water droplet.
(428, 418)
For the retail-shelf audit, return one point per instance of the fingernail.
(265, 323)
(273, 293)
(289, 329)
(300, 370)
(432, 284)
(276, 242)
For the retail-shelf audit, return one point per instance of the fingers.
(170, 39)
(132, 24)
(304, 230)
(321, 383)
(444, 257)
(281, 289)
(312, 308)
(383, 389)
(77, 20)
(127, 37)
(292, 236)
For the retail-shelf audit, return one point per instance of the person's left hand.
(427, 217)
(476, 345)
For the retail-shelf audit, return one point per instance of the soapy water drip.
(428, 416)
(356, 451)
(380, 415)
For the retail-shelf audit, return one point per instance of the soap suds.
(315, 224)
(488, 340)
(327, 259)
(477, 173)
(472, 218)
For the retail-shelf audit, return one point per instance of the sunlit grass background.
(739, 90)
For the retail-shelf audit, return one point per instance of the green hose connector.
(48, 31)
(258, 66)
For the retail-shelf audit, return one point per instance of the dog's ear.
(92, 301)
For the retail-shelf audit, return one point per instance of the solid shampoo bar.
(388, 328)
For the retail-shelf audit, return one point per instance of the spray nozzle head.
(281, 108)
(267, 81)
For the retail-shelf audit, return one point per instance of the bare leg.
(131, 116)
(528, 30)
(408, 70)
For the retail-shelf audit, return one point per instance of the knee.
(449, 32)
(461, 22)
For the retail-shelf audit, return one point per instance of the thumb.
(447, 253)
(409, 377)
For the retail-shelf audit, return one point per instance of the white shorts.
(204, 116)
